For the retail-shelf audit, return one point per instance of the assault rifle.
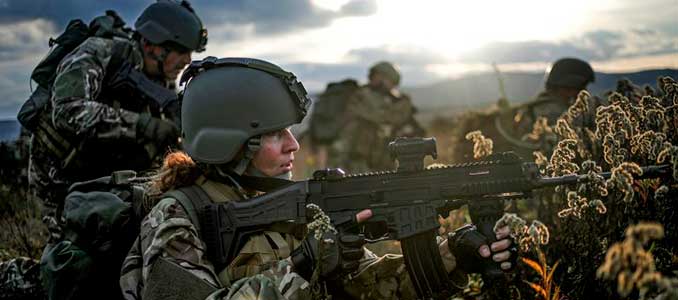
(407, 201)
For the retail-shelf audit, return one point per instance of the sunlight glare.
(452, 27)
(334, 5)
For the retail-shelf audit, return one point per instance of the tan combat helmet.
(388, 70)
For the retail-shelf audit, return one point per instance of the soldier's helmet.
(386, 69)
(175, 22)
(570, 72)
(228, 101)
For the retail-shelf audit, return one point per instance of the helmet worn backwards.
(228, 101)
(387, 70)
(570, 73)
(172, 21)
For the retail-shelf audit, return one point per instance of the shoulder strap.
(192, 199)
(120, 52)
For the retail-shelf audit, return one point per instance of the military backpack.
(108, 26)
(327, 117)
(102, 219)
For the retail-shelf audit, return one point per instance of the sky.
(329, 40)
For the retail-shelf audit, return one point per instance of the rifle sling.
(192, 199)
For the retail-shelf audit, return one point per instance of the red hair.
(178, 170)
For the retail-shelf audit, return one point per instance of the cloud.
(596, 45)
(411, 61)
(25, 38)
(271, 17)
(14, 86)
(359, 8)
(24, 44)
(268, 17)
(60, 12)
(399, 55)
(26, 26)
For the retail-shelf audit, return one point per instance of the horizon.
(12, 117)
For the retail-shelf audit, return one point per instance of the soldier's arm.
(78, 82)
(167, 236)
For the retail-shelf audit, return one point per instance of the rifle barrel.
(652, 171)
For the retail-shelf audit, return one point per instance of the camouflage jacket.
(260, 271)
(547, 105)
(373, 119)
(97, 131)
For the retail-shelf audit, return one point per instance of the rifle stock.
(407, 201)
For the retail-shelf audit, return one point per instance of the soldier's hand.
(470, 248)
(341, 253)
(157, 131)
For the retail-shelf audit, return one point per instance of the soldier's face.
(276, 156)
(382, 83)
(175, 62)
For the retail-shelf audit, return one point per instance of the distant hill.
(9, 130)
(472, 91)
(480, 90)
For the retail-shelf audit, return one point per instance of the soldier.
(376, 113)
(568, 76)
(236, 118)
(89, 129)
(511, 126)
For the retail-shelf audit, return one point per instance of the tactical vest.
(60, 146)
(33, 114)
(260, 250)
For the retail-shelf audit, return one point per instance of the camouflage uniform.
(94, 132)
(20, 279)
(373, 118)
(168, 233)
(547, 105)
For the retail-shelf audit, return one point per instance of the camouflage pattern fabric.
(547, 105)
(261, 270)
(78, 112)
(373, 119)
(20, 279)
(168, 232)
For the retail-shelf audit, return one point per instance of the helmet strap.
(160, 59)
(251, 147)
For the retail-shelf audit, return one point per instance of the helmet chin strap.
(251, 147)
(160, 60)
(245, 167)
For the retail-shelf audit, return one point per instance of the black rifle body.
(407, 202)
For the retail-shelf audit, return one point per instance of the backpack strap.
(192, 198)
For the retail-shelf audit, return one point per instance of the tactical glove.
(157, 131)
(464, 244)
(340, 255)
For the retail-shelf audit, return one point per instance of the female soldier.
(236, 115)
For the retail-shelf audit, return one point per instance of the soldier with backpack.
(88, 115)
(105, 101)
(354, 124)
(237, 114)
